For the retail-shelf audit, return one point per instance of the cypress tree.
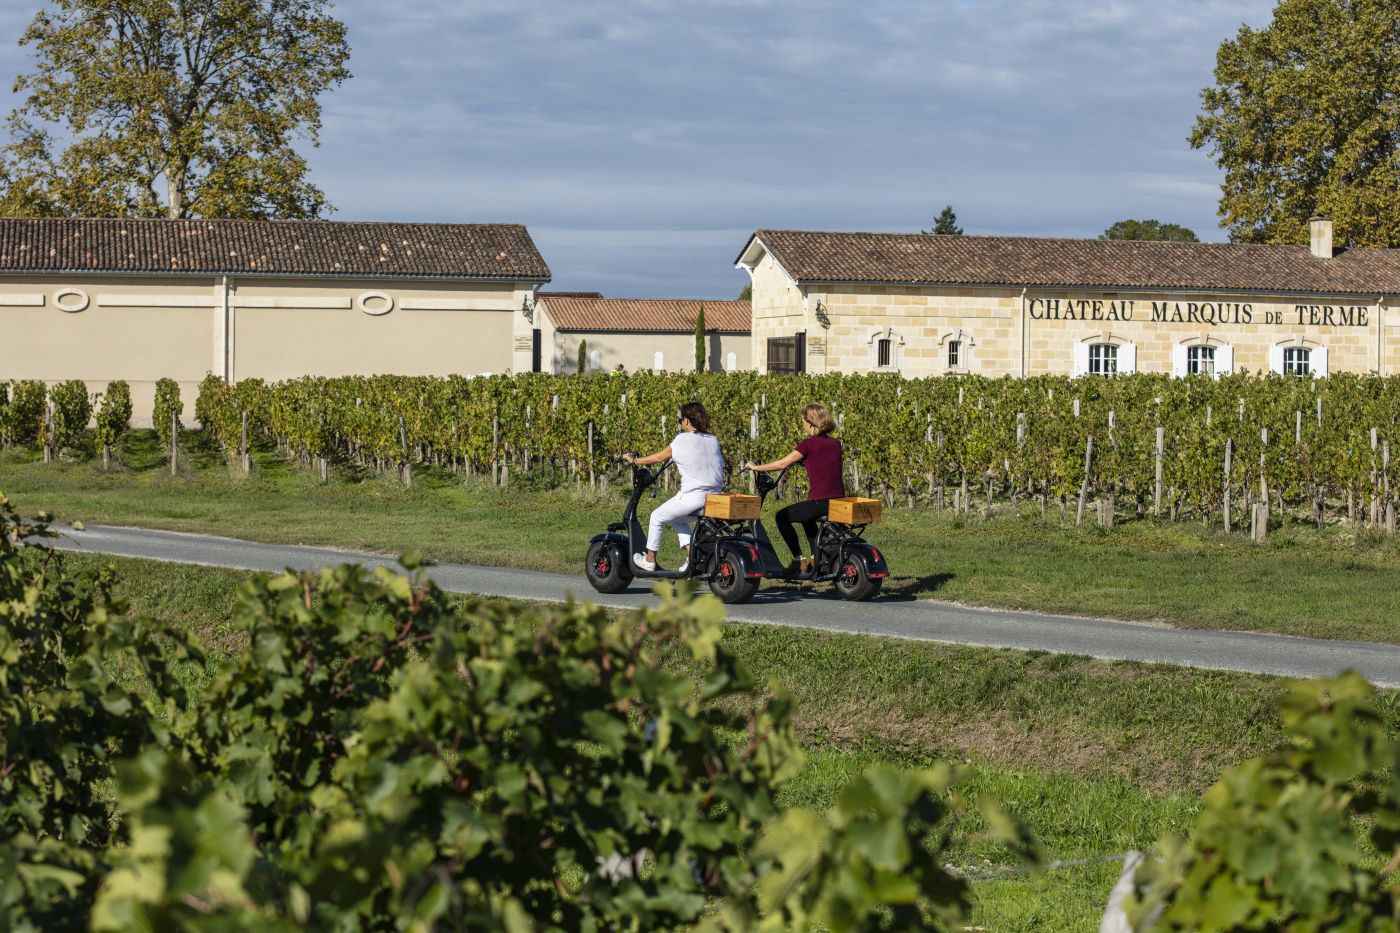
(700, 340)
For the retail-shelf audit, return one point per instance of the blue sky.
(643, 140)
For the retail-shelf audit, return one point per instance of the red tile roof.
(924, 259)
(653, 315)
(271, 247)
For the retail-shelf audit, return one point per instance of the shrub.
(219, 413)
(28, 407)
(167, 405)
(72, 410)
(1276, 846)
(64, 717)
(113, 417)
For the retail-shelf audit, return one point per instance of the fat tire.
(605, 573)
(853, 581)
(733, 587)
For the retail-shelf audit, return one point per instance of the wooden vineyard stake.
(1084, 483)
(1263, 473)
(1259, 522)
(407, 471)
(1157, 484)
(1229, 454)
(244, 456)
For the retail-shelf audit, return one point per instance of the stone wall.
(1003, 331)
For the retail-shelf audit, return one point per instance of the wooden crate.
(853, 510)
(731, 505)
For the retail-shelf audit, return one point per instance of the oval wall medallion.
(71, 300)
(375, 303)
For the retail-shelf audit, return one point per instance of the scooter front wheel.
(853, 582)
(605, 573)
(729, 582)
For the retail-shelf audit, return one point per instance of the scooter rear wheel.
(729, 582)
(605, 572)
(854, 583)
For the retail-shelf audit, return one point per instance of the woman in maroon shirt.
(820, 456)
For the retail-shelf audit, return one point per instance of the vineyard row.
(1211, 449)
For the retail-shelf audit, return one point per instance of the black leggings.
(805, 514)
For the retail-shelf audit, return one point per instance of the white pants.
(675, 511)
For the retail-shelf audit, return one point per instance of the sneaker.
(642, 563)
(685, 565)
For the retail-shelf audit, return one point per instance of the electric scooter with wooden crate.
(723, 552)
(840, 554)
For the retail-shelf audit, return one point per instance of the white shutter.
(1081, 359)
(1179, 360)
(1127, 358)
(1224, 360)
(658, 361)
(1318, 359)
(1276, 360)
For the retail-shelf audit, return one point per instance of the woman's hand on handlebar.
(751, 465)
(628, 458)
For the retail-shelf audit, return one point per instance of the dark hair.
(695, 413)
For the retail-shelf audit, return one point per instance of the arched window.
(731, 362)
(884, 349)
(595, 359)
(955, 351)
(658, 361)
(1298, 357)
(1104, 355)
(1203, 356)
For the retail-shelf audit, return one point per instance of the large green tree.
(1149, 230)
(171, 108)
(1303, 120)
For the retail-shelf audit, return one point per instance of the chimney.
(1321, 237)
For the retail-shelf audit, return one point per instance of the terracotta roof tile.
(645, 314)
(270, 247)
(916, 258)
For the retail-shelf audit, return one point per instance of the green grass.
(1329, 583)
(1096, 757)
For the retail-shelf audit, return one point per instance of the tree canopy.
(946, 223)
(1303, 121)
(171, 108)
(1149, 230)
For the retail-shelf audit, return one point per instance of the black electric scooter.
(723, 552)
(840, 554)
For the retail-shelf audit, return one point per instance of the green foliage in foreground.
(1276, 846)
(374, 759)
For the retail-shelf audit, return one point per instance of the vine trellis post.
(1084, 483)
(1229, 454)
(1157, 471)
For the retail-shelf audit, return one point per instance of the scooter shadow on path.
(910, 589)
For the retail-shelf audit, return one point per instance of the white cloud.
(643, 139)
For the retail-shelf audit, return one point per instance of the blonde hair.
(818, 417)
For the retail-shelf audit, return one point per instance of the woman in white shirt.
(697, 456)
